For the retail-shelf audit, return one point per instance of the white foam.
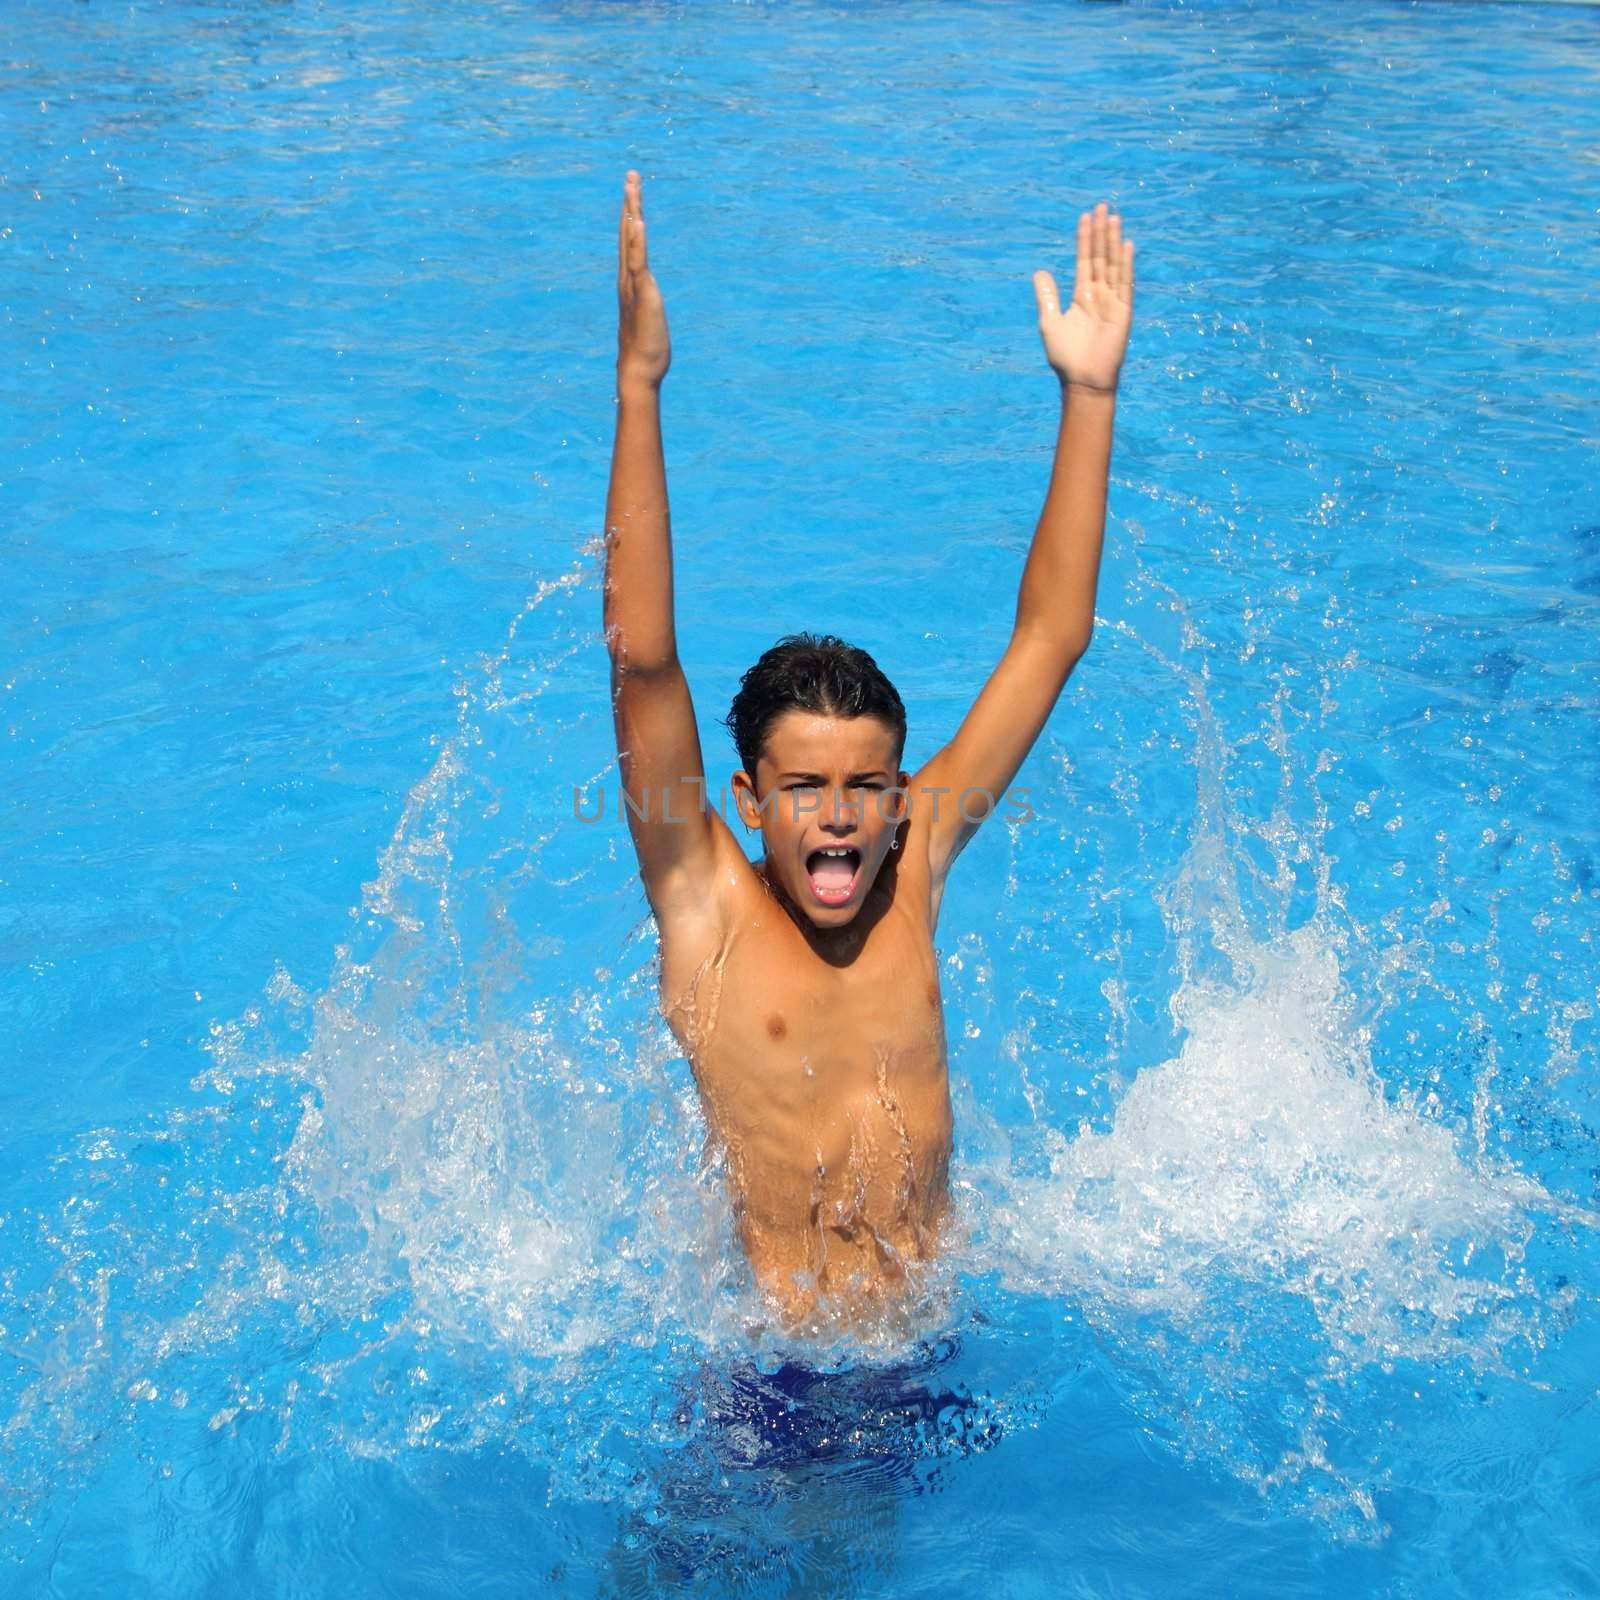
(1265, 1157)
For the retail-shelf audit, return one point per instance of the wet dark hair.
(811, 672)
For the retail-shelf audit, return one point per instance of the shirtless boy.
(804, 989)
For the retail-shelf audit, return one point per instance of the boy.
(804, 990)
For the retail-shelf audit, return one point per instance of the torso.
(825, 1079)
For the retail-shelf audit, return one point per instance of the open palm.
(1086, 342)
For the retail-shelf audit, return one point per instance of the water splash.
(460, 1194)
(1262, 1230)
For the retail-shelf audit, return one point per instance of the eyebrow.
(817, 777)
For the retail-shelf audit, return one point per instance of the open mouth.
(832, 873)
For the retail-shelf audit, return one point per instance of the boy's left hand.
(1086, 342)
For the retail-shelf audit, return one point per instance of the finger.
(1099, 252)
(622, 228)
(1114, 252)
(1048, 296)
(1082, 275)
(1127, 271)
(638, 256)
(643, 262)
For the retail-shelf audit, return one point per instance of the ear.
(744, 798)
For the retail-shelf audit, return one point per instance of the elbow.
(639, 663)
(1077, 644)
(1064, 647)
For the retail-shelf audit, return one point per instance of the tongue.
(832, 874)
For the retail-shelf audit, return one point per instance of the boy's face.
(828, 796)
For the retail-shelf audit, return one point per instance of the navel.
(776, 1026)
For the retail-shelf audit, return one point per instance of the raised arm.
(658, 745)
(1055, 607)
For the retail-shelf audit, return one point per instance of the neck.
(841, 945)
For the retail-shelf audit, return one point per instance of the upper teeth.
(838, 851)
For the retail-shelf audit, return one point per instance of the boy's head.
(820, 732)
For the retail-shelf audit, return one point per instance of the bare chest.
(823, 1080)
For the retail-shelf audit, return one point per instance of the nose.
(839, 815)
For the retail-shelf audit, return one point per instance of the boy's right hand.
(643, 350)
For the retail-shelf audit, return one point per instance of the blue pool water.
(354, 1231)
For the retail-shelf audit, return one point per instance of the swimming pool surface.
(354, 1233)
